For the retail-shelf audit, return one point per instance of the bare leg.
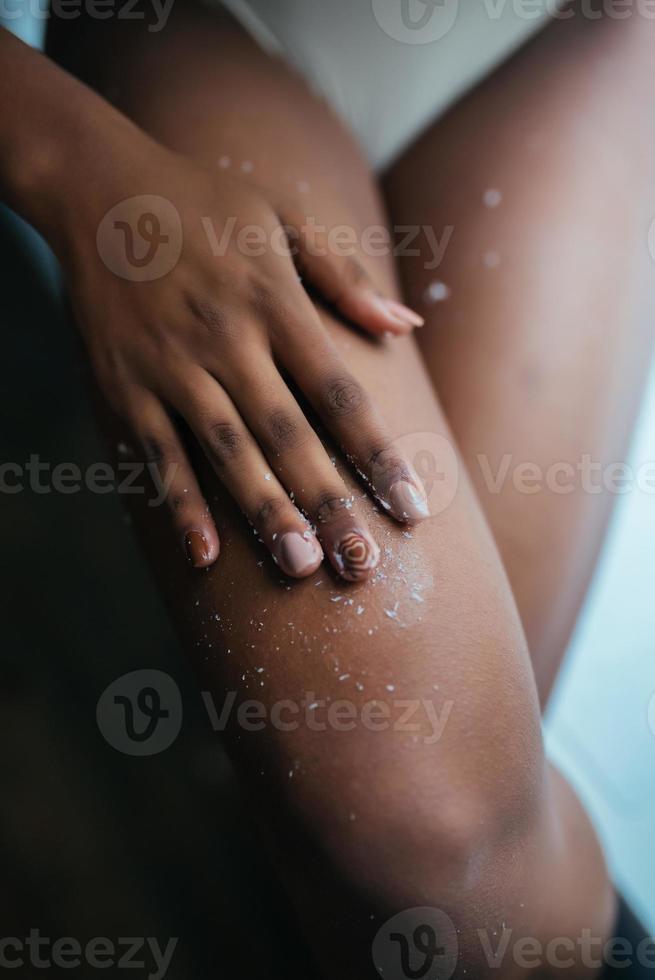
(540, 350)
(367, 821)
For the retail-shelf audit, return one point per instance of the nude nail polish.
(298, 554)
(356, 555)
(408, 503)
(197, 549)
(395, 321)
(404, 313)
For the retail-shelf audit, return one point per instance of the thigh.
(539, 316)
(227, 100)
(399, 810)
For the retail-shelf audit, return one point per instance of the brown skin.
(477, 823)
(544, 356)
(211, 345)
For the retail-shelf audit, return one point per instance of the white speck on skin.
(344, 677)
(491, 260)
(360, 610)
(303, 187)
(247, 166)
(267, 476)
(436, 292)
(492, 197)
(391, 688)
(392, 613)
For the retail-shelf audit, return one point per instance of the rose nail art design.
(356, 556)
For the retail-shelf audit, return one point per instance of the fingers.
(350, 415)
(242, 468)
(175, 483)
(343, 281)
(300, 461)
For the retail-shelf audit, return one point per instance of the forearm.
(54, 134)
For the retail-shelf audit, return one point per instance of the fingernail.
(381, 306)
(197, 549)
(404, 313)
(408, 503)
(356, 555)
(298, 554)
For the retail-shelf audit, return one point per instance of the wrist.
(64, 151)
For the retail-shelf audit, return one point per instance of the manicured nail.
(408, 503)
(404, 313)
(298, 555)
(197, 549)
(395, 322)
(356, 555)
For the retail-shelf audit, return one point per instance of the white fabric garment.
(388, 67)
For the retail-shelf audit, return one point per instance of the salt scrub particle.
(492, 197)
(390, 688)
(344, 677)
(392, 613)
(437, 292)
(491, 260)
(267, 476)
(224, 163)
(360, 610)
(247, 167)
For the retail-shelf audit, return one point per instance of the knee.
(405, 828)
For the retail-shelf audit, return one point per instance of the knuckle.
(354, 273)
(384, 461)
(179, 506)
(267, 511)
(349, 275)
(283, 431)
(154, 450)
(225, 441)
(268, 302)
(343, 396)
(329, 503)
(213, 317)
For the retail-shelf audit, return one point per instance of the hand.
(213, 338)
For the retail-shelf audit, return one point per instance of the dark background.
(94, 842)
